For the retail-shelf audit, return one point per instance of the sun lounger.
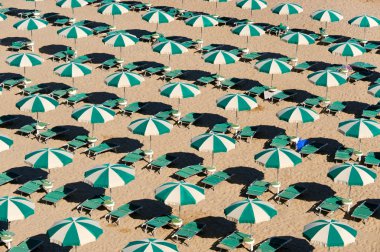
(32, 90)
(165, 114)
(77, 98)
(19, 45)
(121, 212)
(7, 177)
(168, 76)
(82, 59)
(372, 111)
(247, 133)
(221, 127)
(153, 70)
(10, 83)
(190, 171)
(280, 141)
(272, 244)
(363, 65)
(112, 103)
(188, 231)
(228, 83)
(372, 158)
(208, 48)
(248, 57)
(63, 55)
(329, 40)
(237, 51)
(215, 179)
(108, 64)
(148, 37)
(304, 66)
(364, 211)
(161, 162)
(51, 133)
(132, 108)
(358, 76)
(61, 21)
(5, 119)
(60, 93)
(157, 222)
(92, 204)
(204, 80)
(233, 241)
(139, 7)
(277, 30)
(132, 66)
(283, 95)
(257, 188)
(31, 187)
(189, 44)
(58, 194)
(335, 107)
(330, 205)
(101, 148)
(311, 148)
(78, 142)
(312, 102)
(257, 90)
(343, 154)
(371, 46)
(133, 157)
(29, 129)
(189, 119)
(289, 193)
(28, 245)
(101, 29)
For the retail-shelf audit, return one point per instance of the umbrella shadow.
(125, 144)
(8, 75)
(268, 132)
(208, 120)
(98, 58)
(83, 192)
(375, 215)
(9, 40)
(100, 97)
(186, 159)
(297, 244)
(193, 75)
(271, 55)
(355, 108)
(243, 175)
(51, 49)
(315, 191)
(247, 84)
(153, 108)
(51, 86)
(300, 96)
(216, 227)
(20, 121)
(332, 144)
(151, 208)
(138, 32)
(47, 245)
(16, 11)
(28, 173)
(94, 24)
(72, 132)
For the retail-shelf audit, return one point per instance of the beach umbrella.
(75, 32)
(109, 176)
(364, 21)
(150, 126)
(113, 9)
(297, 38)
(15, 208)
(150, 245)
(252, 5)
(3, 17)
(220, 57)
(347, 49)
(169, 47)
(24, 60)
(248, 30)
(236, 102)
(287, 9)
(49, 158)
(31, 24)
(180, 193)
(94, 114)
(72, 70)
(123, 80)
(74, 231)
(157, 17)
(359, 128)
(216, 2)
(326, 16)
(278, 158)
(120, 40)
(273, 66)
(352, 175)
(71, 4)
(214, 143)
(179, 90)
(327, 78)
(329, 233)
(5, 143)
(37, 103)
(201, 21)
(374, 90)
(297, 114)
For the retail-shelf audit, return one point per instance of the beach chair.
(89, 205)
(312, 102)
(153, 70)
(168, 76)
(204, 80)
(133, 157)
(291, 192)
(215, 179)
(19, 45)
(10, 83)
(190, 171)
(247, 133)
(236, 51)
(157, 222)
(272, 244)
(257, 188)
(208, 48)
(311, 148)
(57, 195)
(8, 176)
(248, 57)
(101, 29)
(358, 76)
(51, 133)
(132, 108)
(370, 46)
(63, 55)
(221, 127)
(60, 93)
(28, 245)
(335, 108)
(189, 44)
(304, 66)
(161, 162)
(61, 21)
(6, 119)
(82, 59)
(30, 129)
(364, 211)
(330, 40)
(188, 231)
(112, 103)
(121, 212)
(30, 187)
(278, 30)
(363, 65)
(282, 95)
(280, 141)
(32, 90)
(233, 241)
(75, 99)
(189, 119)
(139, 7)
(101, 148)
(372, 111)
(372, 158)
(229, 83)
(78, 142)
(343, 154)
(165, 114)
(133, 66)
(257, 90)
(149, 37)
(108, 64)
(329, 205)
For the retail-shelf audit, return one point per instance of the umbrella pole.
(179, 210)
(124, 93)
(271, 81)
(360, 144)
(110, 192)
(169, 60)
(9, 225)
(327, 91)
(72, 12)
(296, 51)
(24, 72)
(365, 29)
(278, 171)
(93, 129)
(37, 117)
(212, 160)
(236, 117)
(120, 53)
(73, 82)
(31, 35)
(150, 142)
(349, 192)
(296, 129)
(156, 27)
(113, 20)
(219, 69)
(179, 103)
(201, 33)
(287, 20)
(247, 40)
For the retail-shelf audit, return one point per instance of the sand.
(312, 172)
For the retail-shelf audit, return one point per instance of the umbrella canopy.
(49, 158)
(201, 21)
(179, 90)
(113, 9)
(374, 90)
(3, 17)
(237, 102)
(75, 32)
(287, 9)
(169, 47)
(74, 231)
(5, 143)
(120, 40)
(157, 17)
(347, 49)
(297, 38)
(72, 70)
(278, 158)
(24, 60)
(31, 24)
(273, 66)
(15, 208)
(248, 30)
(71, 4)
(37, 103)
(330, 233)
(327, 78)
(123, 80)
(252, 4)
(220, 57)
(364, 21)
(150, 245)
(327, 16)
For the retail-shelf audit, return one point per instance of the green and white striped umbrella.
(74, 231)
(327, 78)
(120, 40)
(5, 143)
(24, 60)
(75, 32)
(72, 70)
(329, 233)
(113, 9)
(248, 30)
(364, 21)
(297, 114)
(252, 4)
(214, 143)
(150, 245)
(71, 4)
(37, 103)
(15, 208)
(30, 24)
(278, 158)
(49, 158)
(273, 66)
(201, 21)
(179, 90)
(287, 9)
(237, 102)
(297, 38)
(352, 175)
(220, 57)
(326, 16)
(374, 90)
(3, 17)
(359, 128)
(180, 193)
(169, 47)
(347, 49)
(150, 126)
(157, 17)
(123, 80)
